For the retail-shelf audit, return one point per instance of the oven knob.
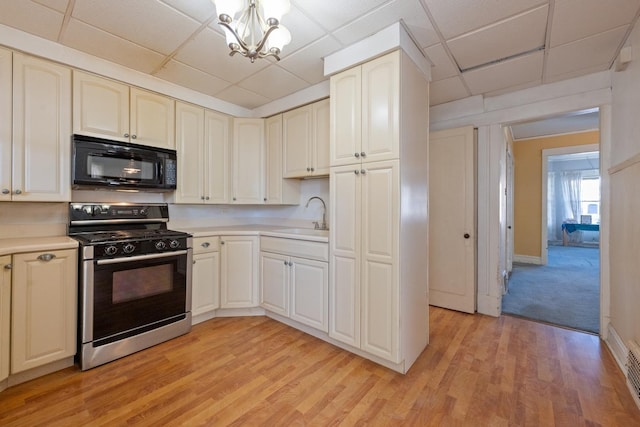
(174, 244)
(160, 245)
(128, 248)
(96, 210)
(110, 250)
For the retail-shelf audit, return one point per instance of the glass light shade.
(228, 7)
(279, 38)
(274, 8)
(229, 36)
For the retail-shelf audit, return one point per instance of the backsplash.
(18, 219)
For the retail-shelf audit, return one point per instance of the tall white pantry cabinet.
(378, 186)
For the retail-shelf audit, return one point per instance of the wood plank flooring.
(477, 371)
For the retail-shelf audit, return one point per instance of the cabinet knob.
(5, 191)
(234, 199)
(466, 235)
(363, 171)
(308, 169)
(8, 267)
(265, 199)
(357, 172)
(134, 136)
(206, 244)
(206, 198)
(286, 263)
(363, 154)
(222, 242)
(126, 135)
(194, 261)
(201, 197)
(18, 192)
(312, 169)
(46, 257)
(357, 155)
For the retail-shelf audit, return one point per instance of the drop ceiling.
(477, 47)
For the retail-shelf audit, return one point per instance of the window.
(590, 196)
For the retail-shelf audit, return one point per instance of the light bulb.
(279, 38)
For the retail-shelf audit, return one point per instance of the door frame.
(575, 149)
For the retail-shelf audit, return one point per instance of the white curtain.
(563, 195)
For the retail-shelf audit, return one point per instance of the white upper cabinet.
(278, 190)
(108, 109)
(41, 147)
(202, 146)
(365, 112)
(248, 153)
(6, 64)
(306, 141)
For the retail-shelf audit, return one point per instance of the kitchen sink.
(304, 231)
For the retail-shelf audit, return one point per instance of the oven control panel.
(117, 211)
(139, 247)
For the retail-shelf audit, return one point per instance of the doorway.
(556, 276)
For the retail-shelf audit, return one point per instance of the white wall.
(625, 198)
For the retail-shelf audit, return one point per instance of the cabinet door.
(273, 184)
(152, 119)
(380, 319)
(5, 124)
(216, 157)
(44, 307)
(310, 293)
(297, 141)
(248, 161)
(380, 108)
(191, 162)
(321, 129)
(345, 233)
(41, 130)
(239, 271)
(5, 315)
(346, 133)
(274, 289)
(205, 292)
(100, 107)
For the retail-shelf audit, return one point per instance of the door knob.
(467, 235)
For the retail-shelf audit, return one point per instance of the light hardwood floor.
(477, 371)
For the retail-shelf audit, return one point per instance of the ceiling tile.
(200, 10)
(144, 22)
(515, 35)
(31, 17)
(590, 52)
(443, 67)
(183, 75)
(208, 52)
(57, 5)
(505, 74)
(239, 96)
(273, 82)
(410, 11)
(577, 19)
(303, 30)
(455, 17)
(331, 15)
(308, 63)
(81, 36)
(446, 90)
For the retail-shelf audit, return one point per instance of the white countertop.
(259, 230)
(35, 244)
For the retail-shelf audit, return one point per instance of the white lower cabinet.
(44, 307)
(5, 316)
(239, 271)
(295, 286)
(205, 289)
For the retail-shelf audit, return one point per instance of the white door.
(191, 163)
(274, 292)
(310, 292)
(239, 271)
(452, 233)
(152, 119)
(248, 161)
(6, 64)
(205, 289)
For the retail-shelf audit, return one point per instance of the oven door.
(132, 295)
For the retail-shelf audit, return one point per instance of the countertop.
(35, 244)
(260, 230)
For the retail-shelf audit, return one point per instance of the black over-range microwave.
(101, 164)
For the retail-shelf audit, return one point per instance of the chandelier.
(252, 27)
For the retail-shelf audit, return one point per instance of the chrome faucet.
(317, 226)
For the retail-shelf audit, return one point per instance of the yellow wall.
(527, 208)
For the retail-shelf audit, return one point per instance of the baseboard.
(527, 259)
(618, 348)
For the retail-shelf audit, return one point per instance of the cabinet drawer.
(297, 248)
(203, 245)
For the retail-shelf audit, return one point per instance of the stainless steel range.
(135, 279)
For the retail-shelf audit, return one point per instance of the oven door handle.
(140, 257)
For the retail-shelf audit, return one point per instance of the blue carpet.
(565, 292)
